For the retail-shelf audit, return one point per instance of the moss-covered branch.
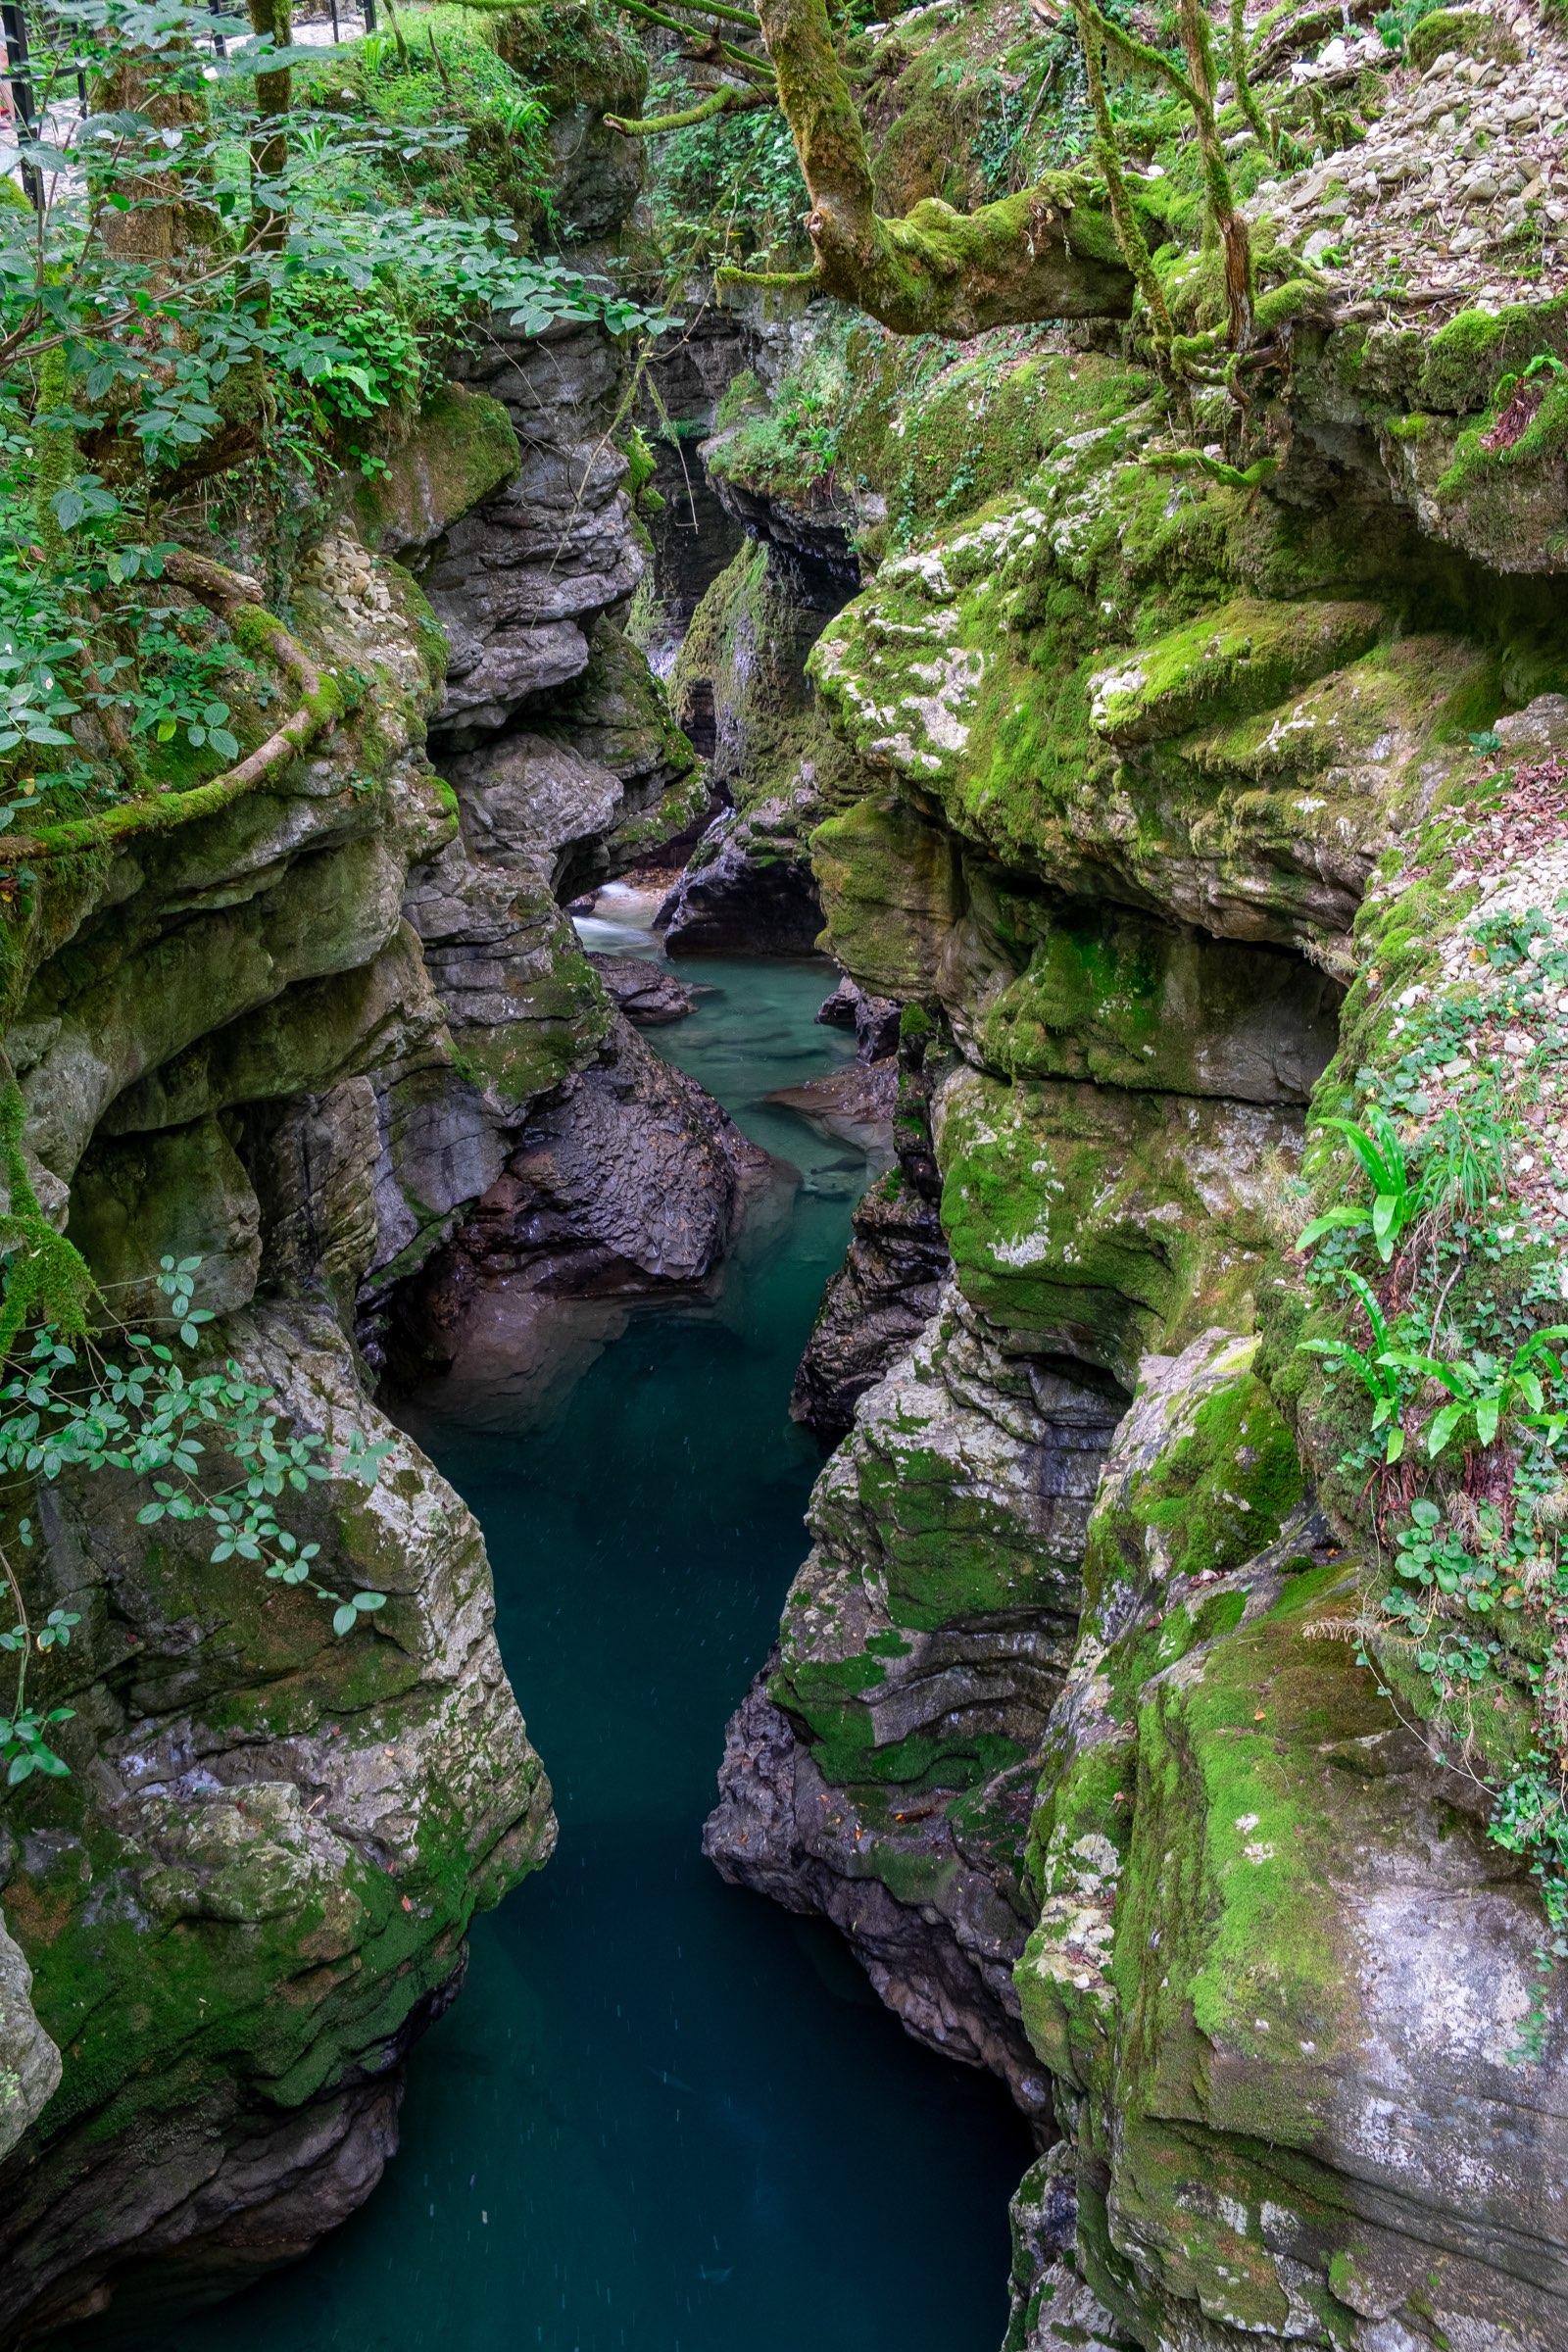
(684, 26)
(1198, 461)
(236, 599)
(728, 100)
(1050, 252)
(1129, 232)
(1246, 98)
(1235, 245)
(1134, 53)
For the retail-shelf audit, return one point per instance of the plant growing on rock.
(68, 1407)
(1377, 1371)
(208, 250)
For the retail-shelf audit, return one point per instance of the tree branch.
(1129, 233)
(1246, 98)
(729, 99)
(237, 600)
(1050, 252)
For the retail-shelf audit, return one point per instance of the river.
(664, 2113)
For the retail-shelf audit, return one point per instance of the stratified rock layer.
(301, 1041)
(1151, 773)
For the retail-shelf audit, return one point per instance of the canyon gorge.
(868, 1108)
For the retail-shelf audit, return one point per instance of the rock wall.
(306, 1042)
(1081, 1725)
(738, 684)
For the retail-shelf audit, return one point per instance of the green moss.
(461, 447)
(1075, 1215)
(556, 1021)
(1463, 29)
(741, 659)
(1540, 441)
(1217, 1493)
(1466, 357)
(742, 393)
(1111, 996)
(1233, 663)
(890, 889)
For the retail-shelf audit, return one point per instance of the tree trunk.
(1050, 252)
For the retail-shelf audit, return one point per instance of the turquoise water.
(664, 2113)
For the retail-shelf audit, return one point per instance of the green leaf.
(1333, 1221)
(345, 1619)
(1444, 1425)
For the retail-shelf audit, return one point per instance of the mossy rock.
(1213, 2020)
(461, 446)
(1110, 995)
(1202, 1475)
(1465, 30)
(891, 893)
(213, 1947)
(1103, 1223)
(1235, 662)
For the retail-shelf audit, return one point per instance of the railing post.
(14, 25)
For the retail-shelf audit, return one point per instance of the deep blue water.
(663, 2113)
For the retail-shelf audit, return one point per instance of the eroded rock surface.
(873, 1309)
(628, 1178)
(748, 889)
(940, 1635)
(269, 1843)
(647, 995)
(1160, 826)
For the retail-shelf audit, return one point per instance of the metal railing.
(17, 73)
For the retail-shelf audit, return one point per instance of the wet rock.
(782, 1831)
(646, 994)
(627, 1180)
(527, 801)
(854, 1105)
(874, 1308)
(749, 891)
(1051, 2309)
(875, 1020)
(908, 1639)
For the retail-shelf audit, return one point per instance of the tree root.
(237, 601)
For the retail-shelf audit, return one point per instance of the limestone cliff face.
(1087, 1723)
(303, 1041)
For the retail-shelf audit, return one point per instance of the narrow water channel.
(663, 2115)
